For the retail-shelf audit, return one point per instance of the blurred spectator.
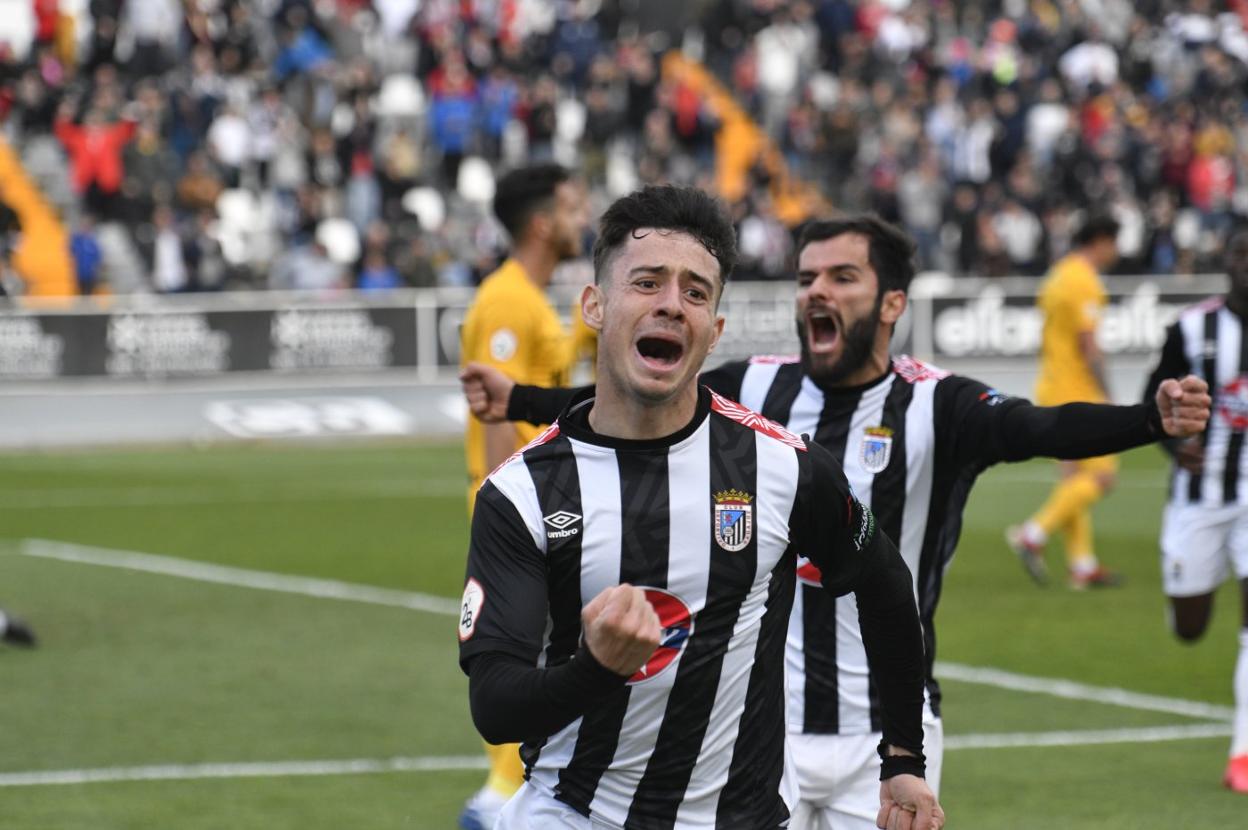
(982, 127)
(307, 267)
(87, 255)
(94, 149)
(377, 274)
(164, 250)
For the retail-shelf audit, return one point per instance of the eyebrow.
(662, 269)
(840, 266)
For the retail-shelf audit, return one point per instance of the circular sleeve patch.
(503, 345)
(470, 609)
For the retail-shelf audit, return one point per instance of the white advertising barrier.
(978, 326)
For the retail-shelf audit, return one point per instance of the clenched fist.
(621, 629)
(487, 391)
(1184, 406)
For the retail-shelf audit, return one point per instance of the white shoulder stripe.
(514, 481)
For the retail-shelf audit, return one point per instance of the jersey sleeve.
(504, 605)
(838, 533)
(968, 420)
(506, 339)
(980, 426)
(830, 525)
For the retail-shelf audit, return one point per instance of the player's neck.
(618, 414)
(538, 262)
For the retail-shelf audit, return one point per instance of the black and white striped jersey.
(912, 444)
(707, 522)
(1208, 340)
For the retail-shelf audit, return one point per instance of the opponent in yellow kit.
(1072, 298)
(513, 326)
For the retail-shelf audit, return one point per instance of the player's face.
(656, 312)
(838, 306)
(1105, 253)
(1237, 263)
(569, 219)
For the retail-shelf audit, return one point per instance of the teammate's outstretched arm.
(989, 427)
(494, 397)
(489, 394)
(839, 534)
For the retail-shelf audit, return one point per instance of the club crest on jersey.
(677, 622)
(877, 449)
(734, 519)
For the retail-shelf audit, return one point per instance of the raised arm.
(986, 427)
(502, 621)
(493, 397)
(839, 534)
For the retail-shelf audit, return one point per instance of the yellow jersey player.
(513, 326)
(1072, 368)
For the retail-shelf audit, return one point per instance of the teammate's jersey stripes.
(1212, 345)
(830, 689)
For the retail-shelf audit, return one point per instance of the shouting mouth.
(661, 352)
(823, 332)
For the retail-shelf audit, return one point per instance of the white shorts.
(1201, 546)
(839, 777)
(533, 809)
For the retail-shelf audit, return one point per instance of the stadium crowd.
(208, 144)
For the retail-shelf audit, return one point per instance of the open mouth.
(822, 331)
(660, 352)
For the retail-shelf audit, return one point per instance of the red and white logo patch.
(677, 622)
(808, 572)
(470, 609)
(1233, 403)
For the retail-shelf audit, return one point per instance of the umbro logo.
(561, 521)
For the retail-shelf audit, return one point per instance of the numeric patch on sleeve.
(470, 609)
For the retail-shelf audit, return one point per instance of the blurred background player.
(1204, 531)
(512, 325)
(15, 631)
(1072, 368)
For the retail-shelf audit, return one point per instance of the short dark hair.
(670, 208)
(525, 191)
(890, 250)
(1097, 226)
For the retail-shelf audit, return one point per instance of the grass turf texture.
(141, 669)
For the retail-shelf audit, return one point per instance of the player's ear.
(541, 225)
(892, 306)
(592, 301)
(717, 333)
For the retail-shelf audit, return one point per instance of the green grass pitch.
(138, 669)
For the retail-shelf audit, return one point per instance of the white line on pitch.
(1088, 737)
(1071, 690)
(279, 769)
(334, 589)
(241, 577)
(363, 766)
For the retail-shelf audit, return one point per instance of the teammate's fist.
(487, 391)
(1184, 406)
(621, 629)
